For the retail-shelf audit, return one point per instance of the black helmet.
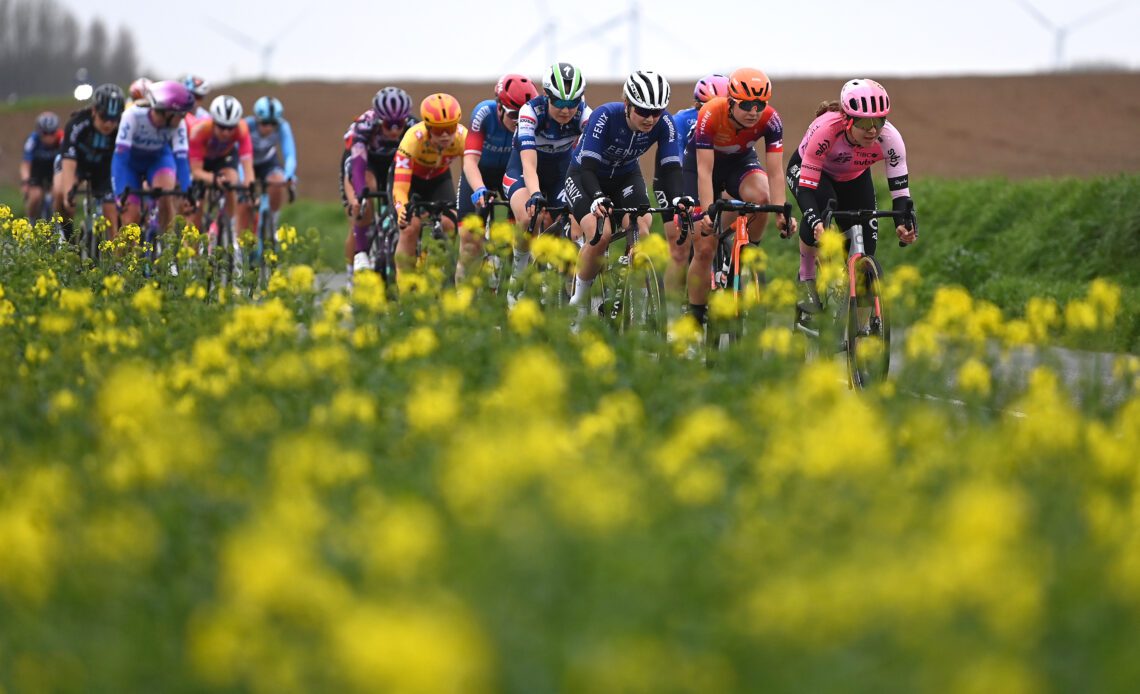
(108, 101)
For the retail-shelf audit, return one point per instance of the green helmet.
(564, 81)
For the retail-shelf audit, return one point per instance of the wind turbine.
(265, 49)
(548, 30)
(1061, 31)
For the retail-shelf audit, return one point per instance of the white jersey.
(139, 135)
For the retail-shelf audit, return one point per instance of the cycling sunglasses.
(512, 113)
(267, 121)
(441, 131)
(225, 128)
(648, 112)
(565, 103)
(392, 124)
(868, 123)
(756, 105)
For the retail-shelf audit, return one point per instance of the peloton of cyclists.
(88, 145)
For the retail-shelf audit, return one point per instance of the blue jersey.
(685, 122)
(617, 147)
(488, 137)
(36, 151)
(267, 147)
(551, 139)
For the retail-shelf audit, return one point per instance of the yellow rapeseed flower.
(1043, 315)
(301, 278)
(525, 316)
(1080, 316)
(458, 300)
(148, 299)
(974, 377)
(113, 285)
(419, 342)
(434, 402)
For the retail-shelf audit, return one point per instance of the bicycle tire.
(642, 307)
(868, 345)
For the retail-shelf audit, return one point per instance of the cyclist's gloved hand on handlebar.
(402, 215)
(601, 206)
(684, 203)
(480, 197)
(907, 236)
(786, 225)
(536, 200)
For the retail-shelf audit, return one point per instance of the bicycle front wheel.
(868, 328)
(642, 308)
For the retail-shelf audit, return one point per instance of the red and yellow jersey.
(418, 157)
(716, 130)
(205, 144)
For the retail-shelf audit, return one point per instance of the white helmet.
(226, 111)
(647, 89)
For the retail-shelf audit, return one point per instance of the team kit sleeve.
(288, 148)
(402, 165)
(669, 157)
(30, 147)
(593, 144)
(180, 146)
(479, 124)
(774, 134)
(245, 142)
(70, 150)
(528, 123)
(704, 129)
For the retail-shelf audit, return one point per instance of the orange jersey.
(716, 130)
(205, 144)
(418, 157)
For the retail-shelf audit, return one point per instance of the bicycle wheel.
(751, 318)
(867, 336)
(642, 309)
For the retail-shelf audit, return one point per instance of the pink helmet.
(864, 98)
(170, 96)
(710, 86)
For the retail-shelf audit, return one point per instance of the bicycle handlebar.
(540, 207)
(905, 216)
(637, 211)
(366, 194)
(152, 193)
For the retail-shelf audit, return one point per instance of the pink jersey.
(826, 149)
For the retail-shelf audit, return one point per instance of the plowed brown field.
(1026, 126)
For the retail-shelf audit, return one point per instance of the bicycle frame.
(620, 311)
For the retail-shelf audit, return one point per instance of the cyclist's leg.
(34, 201)
(161, 175)
(135, 175)
(704, 249)
(591, 255)
(347, 197)
(470, 240)
(676, 273)
(749, 183)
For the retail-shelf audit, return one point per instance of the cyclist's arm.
(197, 157)
(180, 148)
(811, 170)
(245, 153)
(288, 148)
(529, 158)
(471, 169)
(357, 166)
(669, 158)
(402, 169)
(898, 176)
(120, 170)
(774, 159)
(706, 159)
(26, 162)
(473, 147)
(592, 144)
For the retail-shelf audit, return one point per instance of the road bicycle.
(383, 233)
(496, 256)
(86, 229)
(729, 274)
(555, 283)
(859, 325)
(226, 262)
(438, 247)
(630, 288)
(152, 237)
(266, 226)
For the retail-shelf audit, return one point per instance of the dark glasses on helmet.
(649, 112)
(756, 105)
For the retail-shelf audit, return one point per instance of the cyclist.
(721, 160)
(549, 127)
(833, 162)
(370, 145)
(219, 144)
(200, 88)
(422, 168)
(88, 143)
(271, 134)
(36, 168)
(137, 91)
(605, 166)
(493, 125)
(685, 121)
(152, 146)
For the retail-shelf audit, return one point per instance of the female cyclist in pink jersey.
(833, 162)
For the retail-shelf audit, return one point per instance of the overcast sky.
(385, 40)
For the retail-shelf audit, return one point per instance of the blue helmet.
(268, 109)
